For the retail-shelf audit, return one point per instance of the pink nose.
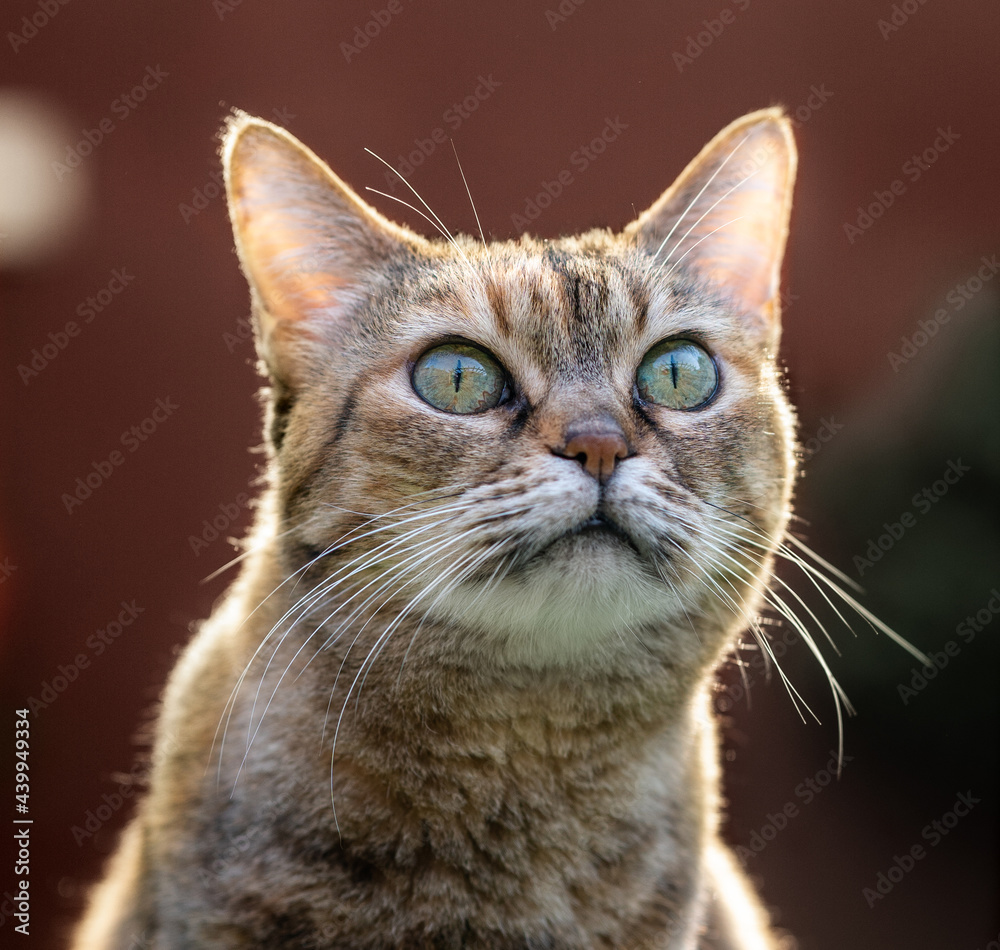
(597, 449)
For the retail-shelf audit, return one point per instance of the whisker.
(462, 568)
(784, 610)
(677, 263)
(486, 247)
(826, 564)
(743, 532)
(437, 222)
(694, 200)
(373, 652)
(816, 576)
(245, 554)
(326, 587)
(443, 231)
(305, 603)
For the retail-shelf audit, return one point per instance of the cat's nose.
(597, 445)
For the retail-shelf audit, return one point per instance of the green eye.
(459, 378)
(677, 374)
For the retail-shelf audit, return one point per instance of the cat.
(523, 497)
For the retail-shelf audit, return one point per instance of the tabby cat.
(522, 499)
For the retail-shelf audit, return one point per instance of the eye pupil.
(458, 376)
(692, 373)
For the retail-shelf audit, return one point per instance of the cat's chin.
(587, 592)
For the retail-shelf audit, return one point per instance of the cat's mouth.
(600, 526)
(598, 539)
(597, 524)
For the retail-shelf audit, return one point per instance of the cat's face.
(571, 450)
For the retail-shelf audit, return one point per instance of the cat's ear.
(726, 216)
(308, 244)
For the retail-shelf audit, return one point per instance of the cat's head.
(561, 451)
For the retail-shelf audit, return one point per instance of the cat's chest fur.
(496, 815)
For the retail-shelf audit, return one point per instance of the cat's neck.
(611, 746)
(507, 792)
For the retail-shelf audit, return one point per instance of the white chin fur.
(581, 596)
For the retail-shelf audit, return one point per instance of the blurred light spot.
(38, 213)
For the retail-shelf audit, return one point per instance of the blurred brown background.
(134, 193)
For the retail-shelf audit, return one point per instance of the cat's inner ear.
(308, 244)
(726, 216)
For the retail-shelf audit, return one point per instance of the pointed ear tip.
(771, 125)
(237, 121)
(774, 120)
(244, 133)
